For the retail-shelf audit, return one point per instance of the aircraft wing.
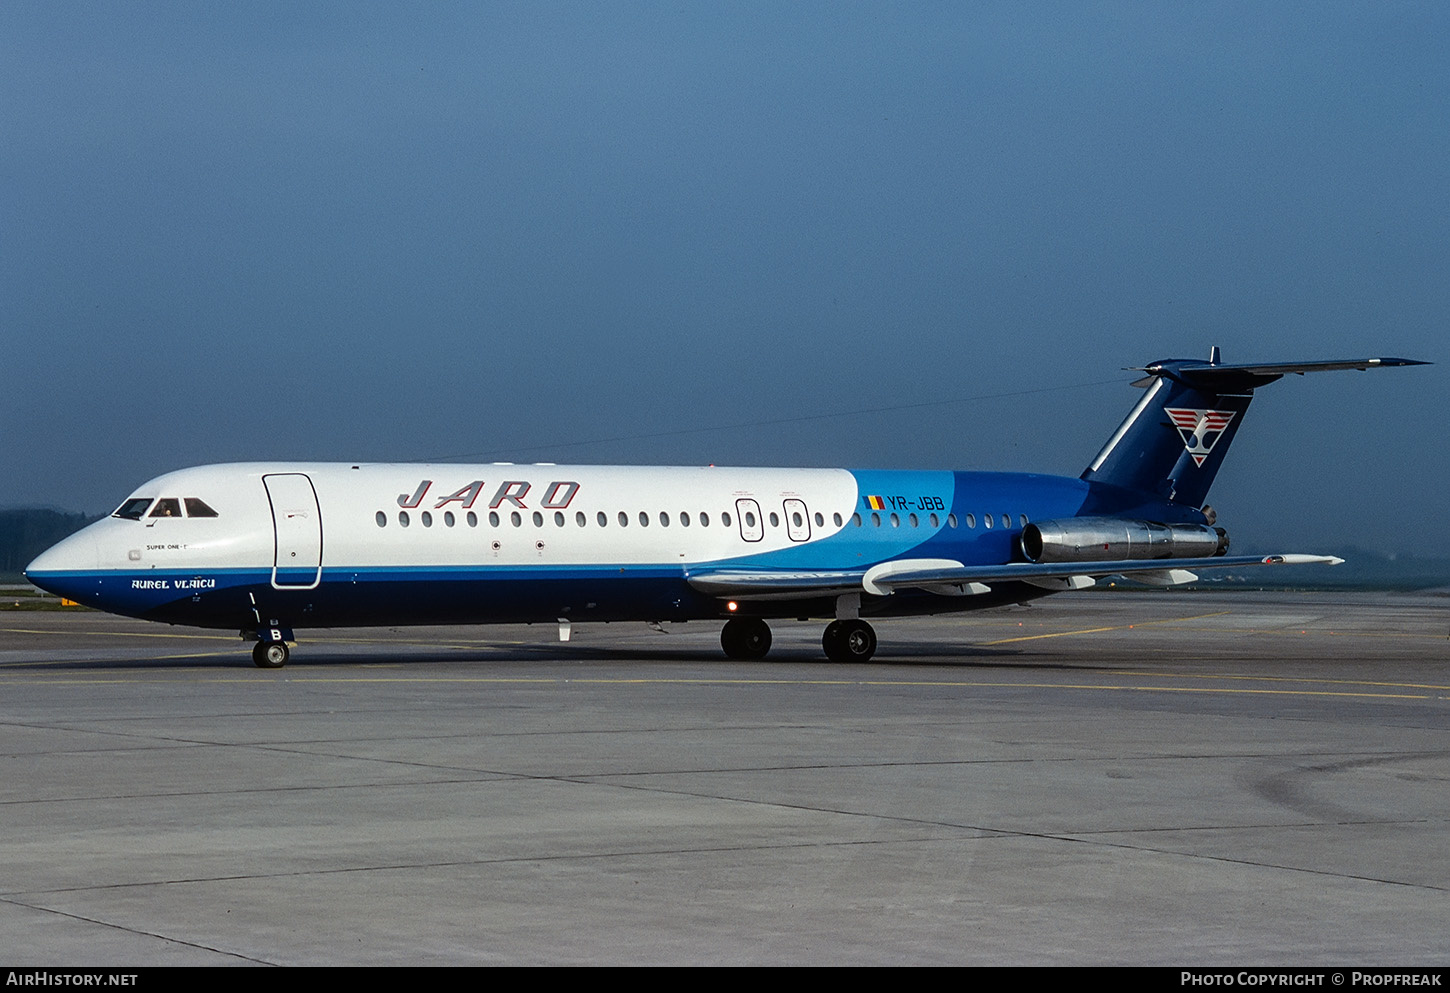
(950, 578)
(740, 584)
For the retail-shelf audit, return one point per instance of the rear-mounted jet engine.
(1109, 539)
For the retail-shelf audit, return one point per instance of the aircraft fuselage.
(333, 545)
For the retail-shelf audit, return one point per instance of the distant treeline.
(24, 534)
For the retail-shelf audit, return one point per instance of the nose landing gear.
(271, 650)
(270, 654)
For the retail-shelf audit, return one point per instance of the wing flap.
(1161, 571)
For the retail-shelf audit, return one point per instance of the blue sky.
(899, 235)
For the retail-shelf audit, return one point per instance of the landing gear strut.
(849, 641)
(270, 654)
(745, 638)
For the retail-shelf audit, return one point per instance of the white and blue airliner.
(268, 549)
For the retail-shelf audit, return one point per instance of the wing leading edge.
(950, 578)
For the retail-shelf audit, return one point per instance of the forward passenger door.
(297, 527)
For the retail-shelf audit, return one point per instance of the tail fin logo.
(1200, 429)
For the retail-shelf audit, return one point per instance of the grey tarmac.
(1182, 779)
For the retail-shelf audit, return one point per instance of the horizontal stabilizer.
(1253, 374)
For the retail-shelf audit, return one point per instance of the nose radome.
(56, 569)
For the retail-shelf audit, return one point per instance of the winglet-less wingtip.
(1300, 559)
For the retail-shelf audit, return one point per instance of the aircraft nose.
(59, 569)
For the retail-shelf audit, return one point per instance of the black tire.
(831, 641)
(745, 638)
(270, 654)
(849, 641)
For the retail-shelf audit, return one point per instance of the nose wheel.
(270, 654)
(849, 641)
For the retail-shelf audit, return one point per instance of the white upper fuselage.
(402, 541)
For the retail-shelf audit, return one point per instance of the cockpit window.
(166, 507)
(132, 509)
(198, 508)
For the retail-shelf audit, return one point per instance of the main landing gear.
(745, 638)
(850, 640)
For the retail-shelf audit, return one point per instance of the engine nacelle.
(1111, 539)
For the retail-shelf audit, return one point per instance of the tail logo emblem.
(1200, 429)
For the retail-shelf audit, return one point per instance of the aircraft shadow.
(323, 657)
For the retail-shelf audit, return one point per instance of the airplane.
(267, 549)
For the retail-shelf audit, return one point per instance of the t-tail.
(1174, 440)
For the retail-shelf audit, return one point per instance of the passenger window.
(538, 519)
(749, 519)
(515, 519)
(684, 518)
(895, 521)
(403, 518)
(774, 520)
(623, 519)
(1023, 519)
(971, 521)
(427, 519)
(837, 519)
(856, 520)
(952, 521)
(875, 520)
(603, 521)
(493, 518)
(725, 518)
(198, 508)
(935, 521)
(558, 518)
(579, 519)
(987, 521)
(448, 518)
(911, 519)
(664, 519)
(472, 519)
(643, 519)
(382, 519)
(705, 520)
(167, 507)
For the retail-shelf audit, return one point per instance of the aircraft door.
(752, 526)
(797, 520)
(297, 525)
